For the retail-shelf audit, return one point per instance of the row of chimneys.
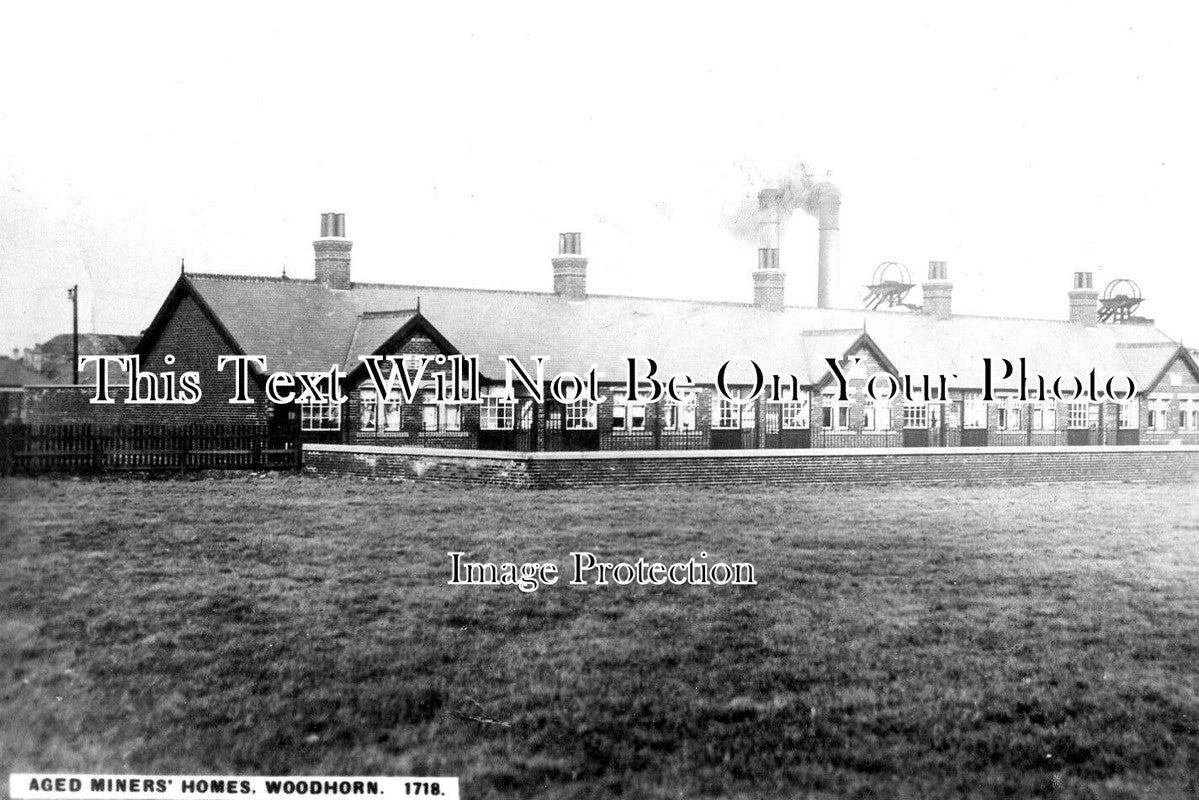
(938, 296)
(570, 266)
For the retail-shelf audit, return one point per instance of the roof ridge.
(241, 278)
(381, 314)
(830, 331)
(372, 285)
(1170, 343)
(867, 313)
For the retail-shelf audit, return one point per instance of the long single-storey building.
(312, 324)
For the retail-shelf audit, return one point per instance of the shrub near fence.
(37, 449)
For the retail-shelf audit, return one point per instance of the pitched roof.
(297, 325)
(302, 324)
(372, 331)
(1147, 362)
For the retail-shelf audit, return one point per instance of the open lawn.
(1012, 641)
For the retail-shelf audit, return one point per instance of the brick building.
(299, 324)
(15, 380)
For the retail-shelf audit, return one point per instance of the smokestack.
(1084, 300)
(938, 291)
(570, 268)
(768, 278)
(827, 199)
(333, 252)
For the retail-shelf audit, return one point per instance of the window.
(1009, 413)
(368, 410)
(915, 415)
(320, 416)
(680, 417)
(1076, 415)
(393, 412)
(627, 416)
(496, 413)
(730, 415)
(440, 417)
(974, 411)
(1127, 415)
(580, 415)
(877, 416)
(834, 413)
(1015, 416)
(428, 413)
(795, 414)
(727, 414)
(1188, 413)
(1159, 413)
(1044, 416)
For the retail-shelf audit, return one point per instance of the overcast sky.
(1018, 143)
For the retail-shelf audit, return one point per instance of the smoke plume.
(797, 190)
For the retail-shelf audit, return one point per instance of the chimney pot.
(333, 252)
(570, 267)
(570, 244)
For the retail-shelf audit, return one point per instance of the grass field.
(1022, 641)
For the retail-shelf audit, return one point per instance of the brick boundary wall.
(915, 465)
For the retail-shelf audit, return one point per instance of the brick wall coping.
(825, 452)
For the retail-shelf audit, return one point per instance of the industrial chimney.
(333, 252)
(768, 278)
(827, 199)
(937, 291)
(570, 267)
(1084, 300)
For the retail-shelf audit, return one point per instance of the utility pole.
(73, 295)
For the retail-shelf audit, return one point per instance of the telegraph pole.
(73, 295)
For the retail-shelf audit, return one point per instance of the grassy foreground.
(902, 642)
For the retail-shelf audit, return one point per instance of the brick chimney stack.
(937, 291)
(333, 252)
(769, 280)
(570, 267)
(1084, 301)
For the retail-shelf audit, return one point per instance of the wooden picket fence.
(89, 448)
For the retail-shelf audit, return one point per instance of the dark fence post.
(6, 442)
(535, 428)
(299, 447)
(183, 449)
